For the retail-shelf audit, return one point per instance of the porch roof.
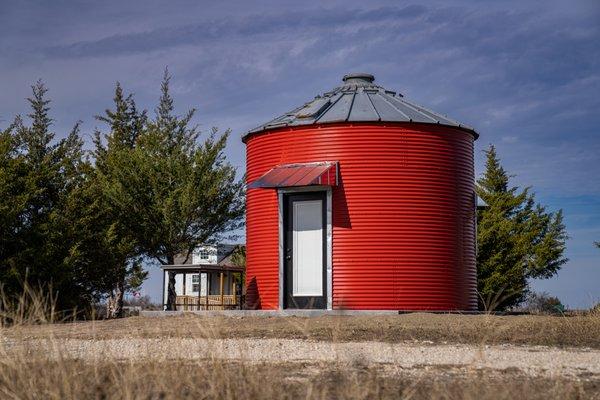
(202, 268)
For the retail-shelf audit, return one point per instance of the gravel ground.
(529, 360)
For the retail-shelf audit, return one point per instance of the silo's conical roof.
(359, 100)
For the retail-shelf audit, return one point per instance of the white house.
(208, 279)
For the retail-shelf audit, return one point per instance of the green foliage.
(102, 252)
(119, 254)
(83, 227)
(238, 256)
(123, 255)
(172, 192)
(517, 239)
(37, 177)
(15, 197)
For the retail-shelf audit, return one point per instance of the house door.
(304, 250)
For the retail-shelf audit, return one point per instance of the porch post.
(208, 279)
(233, 288)
(185, 303)
(221, 289)
(171, 293)
(199, 289)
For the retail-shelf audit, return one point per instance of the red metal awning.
(286, 175)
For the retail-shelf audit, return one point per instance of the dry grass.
(34, 379)
(560, 331)
(27, 373)
(33, 306)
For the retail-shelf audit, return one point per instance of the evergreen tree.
(37, 176)
(173, 192)
(15, 196)
(517, 239)
(108, 238)
(238, 258)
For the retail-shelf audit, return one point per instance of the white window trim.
(203, 254)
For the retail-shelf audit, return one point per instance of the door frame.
(328, 239)
(303, 301)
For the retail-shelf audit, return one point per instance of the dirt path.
(530, 360)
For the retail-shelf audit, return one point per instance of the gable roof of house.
(224, 258)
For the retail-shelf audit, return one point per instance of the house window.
(203, 254)
(195, 283)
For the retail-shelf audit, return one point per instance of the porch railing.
(210, 302)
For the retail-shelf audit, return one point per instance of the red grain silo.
(360, 199)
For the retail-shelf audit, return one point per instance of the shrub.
(543, 303)
(144, 302)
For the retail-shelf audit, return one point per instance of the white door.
(308, 248)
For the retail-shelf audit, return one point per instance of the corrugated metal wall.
(403, 214)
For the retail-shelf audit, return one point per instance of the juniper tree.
(102, 253)
(518, 239)
(14, 200)
(238, 258)
(37, 177)
(108, 238)
(175, 191)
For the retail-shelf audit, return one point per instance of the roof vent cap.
(359, 78)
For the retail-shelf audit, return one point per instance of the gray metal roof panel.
(339, 111)
(314, 108)
(363, 109)
(359, 99)
(411, 113)
(386, 110)
(442, 119)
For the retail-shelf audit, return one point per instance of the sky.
(526, 75)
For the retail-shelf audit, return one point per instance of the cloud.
(510, 139)
(527, 78)
(519, 73)
(224, 29)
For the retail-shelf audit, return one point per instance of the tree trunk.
(171, 293)
(114, 306)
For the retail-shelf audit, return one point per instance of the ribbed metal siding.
(403, 226)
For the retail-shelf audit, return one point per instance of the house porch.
(204, 287)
